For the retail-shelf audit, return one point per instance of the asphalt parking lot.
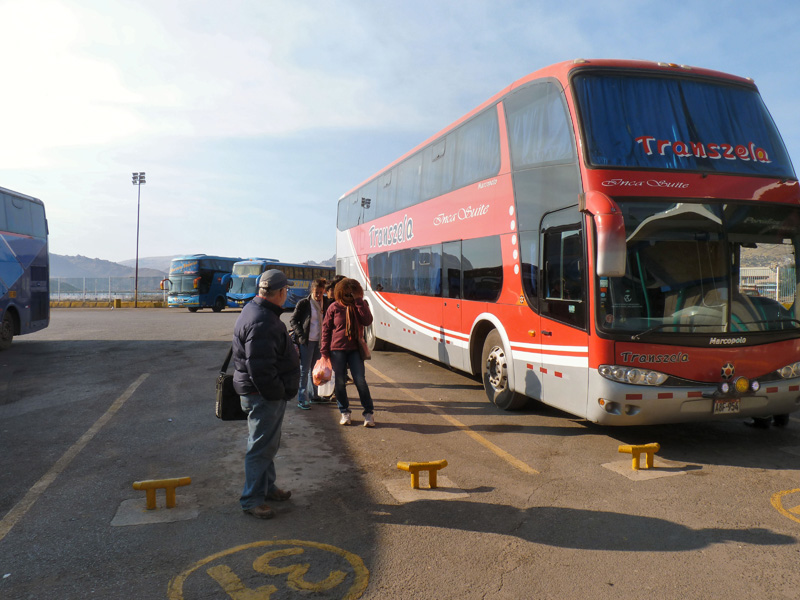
(532, 504)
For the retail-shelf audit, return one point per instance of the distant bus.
(24, 266)
(247, 273)
(198, 281)
(581, 238)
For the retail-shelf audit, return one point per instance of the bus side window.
(451, 267)
(563, 278)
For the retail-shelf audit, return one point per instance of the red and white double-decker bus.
(580, 239)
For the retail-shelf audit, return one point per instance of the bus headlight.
(790, 371)
(631, 375)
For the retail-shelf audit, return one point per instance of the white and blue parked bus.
(198, 281)
(247, 273)
(24, 266)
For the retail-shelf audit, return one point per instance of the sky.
(251, 118)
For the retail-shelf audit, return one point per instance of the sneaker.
(345, 420)
(278, 495)
(369, 420)
(304, 405)
(260, 512)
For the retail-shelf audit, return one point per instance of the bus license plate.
(722, 407)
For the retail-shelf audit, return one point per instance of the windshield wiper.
(664, 326)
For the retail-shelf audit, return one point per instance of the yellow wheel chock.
(169, 485)
(636, 453)
(415, 467)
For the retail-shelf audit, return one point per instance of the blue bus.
(247, 273)
(198, 281)
(24, 266)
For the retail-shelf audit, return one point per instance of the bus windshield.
(241, 284)
(678, 123)
(180, 284)
(704, 268)
(248, 269)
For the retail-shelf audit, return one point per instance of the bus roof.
(199, 256)
(277, 264)
(21, 195)
(562, 71)
(246, 261)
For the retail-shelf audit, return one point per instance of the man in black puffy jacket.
(267, 376)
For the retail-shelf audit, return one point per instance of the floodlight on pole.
(138, 180)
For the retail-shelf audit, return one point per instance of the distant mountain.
(82, 266)
(159, 263)
(331, 262)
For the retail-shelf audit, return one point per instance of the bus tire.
(219, 304)
(780, 420)
(494, 374)
(192, 309)
(6, 331)
(373, 342)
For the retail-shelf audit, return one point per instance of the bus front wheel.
(6, 331)
(494, 374)
(192, 309)
(780, 420)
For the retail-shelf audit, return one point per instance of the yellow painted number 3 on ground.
(250, 573)
(788, 504)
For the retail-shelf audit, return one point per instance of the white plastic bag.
(326, 389)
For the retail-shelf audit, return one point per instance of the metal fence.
(105, 289)
(778, 283)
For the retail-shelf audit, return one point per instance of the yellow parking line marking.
(23, 506)
(509, 458)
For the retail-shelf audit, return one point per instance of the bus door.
(451, 350)
(563, 308)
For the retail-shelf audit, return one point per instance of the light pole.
(138, 180)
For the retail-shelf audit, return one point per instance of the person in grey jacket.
(306, 325)
(267, 375)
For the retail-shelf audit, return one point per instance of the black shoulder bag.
(228, 406)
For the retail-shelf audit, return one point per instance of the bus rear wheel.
(219, 304)
(494, 374)
(373, 343)
(6, 331)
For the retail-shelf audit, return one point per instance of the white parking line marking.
(23, 506)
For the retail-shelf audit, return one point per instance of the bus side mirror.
(610, 227)
(164, 285)
(196, 282)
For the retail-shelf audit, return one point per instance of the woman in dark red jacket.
(341, 329)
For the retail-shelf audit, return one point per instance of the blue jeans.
(264, 421)
(340, 361)
(309, 355)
